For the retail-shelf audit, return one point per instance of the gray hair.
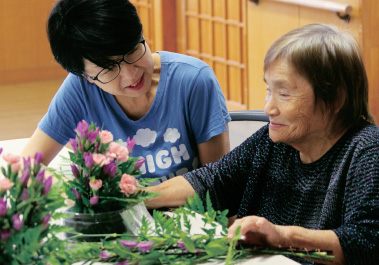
(331, 61)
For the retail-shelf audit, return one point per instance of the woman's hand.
(258, 231)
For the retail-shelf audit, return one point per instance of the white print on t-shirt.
(171, 135)
(163, 158)
(145, 137)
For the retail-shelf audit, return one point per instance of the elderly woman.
(310, 178)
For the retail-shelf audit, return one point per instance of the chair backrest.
(243, 124)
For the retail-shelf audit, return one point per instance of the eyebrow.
(277, 82)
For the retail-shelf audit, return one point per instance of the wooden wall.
(24, 49)
(370, 44)
(232, 36)
(215, 31)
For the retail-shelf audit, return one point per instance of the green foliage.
(32, 201)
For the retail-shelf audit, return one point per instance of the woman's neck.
(312, 151)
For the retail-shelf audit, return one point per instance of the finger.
(232, 229)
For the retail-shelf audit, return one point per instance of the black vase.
(94, 224)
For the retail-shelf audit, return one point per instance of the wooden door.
(215, 31)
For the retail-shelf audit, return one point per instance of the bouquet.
(104, 173)
(27, 203)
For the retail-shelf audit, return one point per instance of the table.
(15, 146)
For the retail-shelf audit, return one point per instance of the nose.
(128, 71)
(270, 108)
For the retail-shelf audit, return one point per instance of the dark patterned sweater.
(339, 191)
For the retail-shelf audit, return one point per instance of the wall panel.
(215, 31)
(25, 51)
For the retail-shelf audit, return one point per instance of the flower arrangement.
(27, 203)
(104, 173)
(172, 241)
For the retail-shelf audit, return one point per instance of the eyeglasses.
(109, 74)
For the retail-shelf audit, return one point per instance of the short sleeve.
(207, 107)
(65, 111)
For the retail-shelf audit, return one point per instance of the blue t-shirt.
(188, 108)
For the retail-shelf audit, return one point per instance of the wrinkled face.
(134, 79)
(290, 105)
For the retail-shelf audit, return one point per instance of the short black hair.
(92, 30)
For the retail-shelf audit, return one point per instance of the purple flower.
(38, 158)
(110, 169)
(130, 144)
(5, 233)
(75, 171)
(40, 175)
(17, 223)
(45, 220)
(88, 160)
(93, 135)
(145, 246)
(47, 185)
(105, 255)
(97, 144)
(24, 195)
(181, 244)
(94, 200)
(73, 144)
(80, 145)
(82, 128)
(77, 194)
(25, 177)
(139, 163)
(1, 150)
(129, 244)
(125, 262)
(3, 208)
(27, 162)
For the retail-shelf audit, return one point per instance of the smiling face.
(134, 79)
(290, 105)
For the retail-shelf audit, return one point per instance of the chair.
(243, 124)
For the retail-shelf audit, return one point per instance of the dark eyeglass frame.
(96, 78)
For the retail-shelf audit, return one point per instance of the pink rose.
(11, 158)
(100, 159)
(96, 184)
(106, 136)
(118, 151)
(128, 184)
(5, 184)
(15, 167)
(128, 189)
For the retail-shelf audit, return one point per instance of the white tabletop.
(16, 146)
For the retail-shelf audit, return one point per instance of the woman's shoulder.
(182, 60)
(364, 136)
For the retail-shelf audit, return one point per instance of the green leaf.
(217, 247)
(188, 243)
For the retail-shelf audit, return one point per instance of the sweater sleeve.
(359, 232)
(226, 179)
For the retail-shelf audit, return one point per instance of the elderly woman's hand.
(259, 231)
